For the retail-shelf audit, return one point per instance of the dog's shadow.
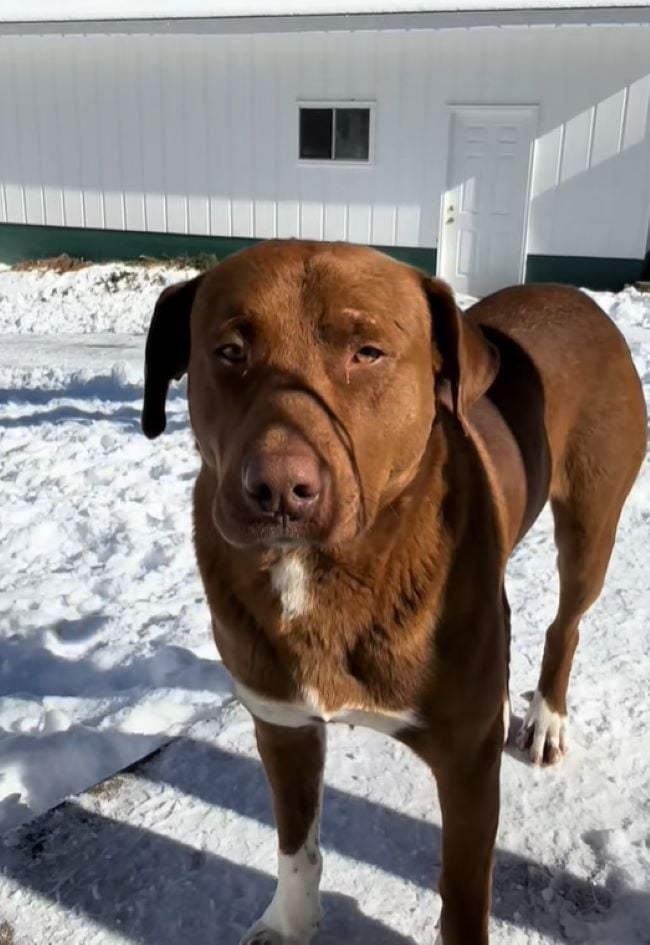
(155, 889)
(510, 747)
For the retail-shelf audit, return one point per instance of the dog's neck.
(322, 614)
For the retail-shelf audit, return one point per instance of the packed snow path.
(105, 652)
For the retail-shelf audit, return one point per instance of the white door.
(484, 210)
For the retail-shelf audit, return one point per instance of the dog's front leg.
(468, 787)
(293, 759)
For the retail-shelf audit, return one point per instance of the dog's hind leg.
(586, 517)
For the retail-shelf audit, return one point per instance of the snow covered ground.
(105, 653)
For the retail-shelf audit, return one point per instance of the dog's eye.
(232, 353)
(367, 355)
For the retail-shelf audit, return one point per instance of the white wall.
(198, 134)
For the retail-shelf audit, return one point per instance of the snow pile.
(105, 651)
(107, 298)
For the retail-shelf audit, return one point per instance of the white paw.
(544, 734)
(287, 921)
(261, 934)
(294, 914)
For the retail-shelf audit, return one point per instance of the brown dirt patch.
(65, 263)
(6, 934)
(105, 790)
(62, 263)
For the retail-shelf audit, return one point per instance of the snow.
(67, 10)
(104, 298)
(103, 649)
(106, 655)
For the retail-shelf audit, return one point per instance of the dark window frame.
(333, 106)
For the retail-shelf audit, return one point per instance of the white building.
(489, 145)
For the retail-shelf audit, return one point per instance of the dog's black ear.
(467, 363)
(167, 352)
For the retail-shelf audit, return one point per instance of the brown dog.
(370, 458)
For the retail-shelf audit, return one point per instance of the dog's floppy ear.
(469, 362)
(167, 352)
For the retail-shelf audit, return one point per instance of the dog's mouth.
(280, 530)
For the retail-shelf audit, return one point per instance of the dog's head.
(314, 375)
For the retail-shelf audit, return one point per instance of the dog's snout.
(289, 483)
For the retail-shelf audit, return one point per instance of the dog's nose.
(288, 483)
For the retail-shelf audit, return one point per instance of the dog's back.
(567, 388)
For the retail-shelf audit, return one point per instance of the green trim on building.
(20, 242)
(588, 272)
(421, 258)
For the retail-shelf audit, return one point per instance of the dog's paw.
(261, 937)
(544, 734)
(261, 934)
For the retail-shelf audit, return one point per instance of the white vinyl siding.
(187, 133)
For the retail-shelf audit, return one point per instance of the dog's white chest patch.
(290, 581)
(296, 714)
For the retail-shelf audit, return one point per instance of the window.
(334, 133)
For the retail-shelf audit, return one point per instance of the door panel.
(485, 204)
